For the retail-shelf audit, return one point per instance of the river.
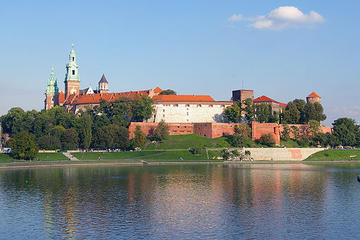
(260, 201)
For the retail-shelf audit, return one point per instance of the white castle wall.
(189, 113)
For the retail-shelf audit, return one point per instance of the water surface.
(181, 202)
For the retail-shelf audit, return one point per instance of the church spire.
(52, 87)
(72, 77)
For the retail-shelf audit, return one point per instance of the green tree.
(162, 131)
(300, 105)
(23, 146)
(48, 142)
(291, 114)
(295, 132)
(263, 113)
(12, 122)
(314, 111)
(285, 134)
(249, 110)
(234, 113)
(83, 127)
(314, 128)
(242, 129)
(267, 140)
(142, 108)
(168, 92)
(140, 138)
(346, 131)
(70, 139)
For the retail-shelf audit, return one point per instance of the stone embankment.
(70, 157)
(282, 154)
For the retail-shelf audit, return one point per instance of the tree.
(49, 142)
(83, 127)
(162, 131)
(314, 111)
(263, 113)
(140, 138)
(168, 92)
(234, 113)
(300, 105)
(142, 108)
(242, 129)
(70, 139)
(237, 140)
(23, 146)
(314, 127)
(249, 110)
(291, 114)
(346, 131)
(295, 132)
(267, 140)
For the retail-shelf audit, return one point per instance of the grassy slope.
(335, 155)
(189, 141)
(5, 158)
(289, 143)
(51, 157)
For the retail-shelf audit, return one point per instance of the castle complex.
(199, 114)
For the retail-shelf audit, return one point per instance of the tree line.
(104, 126)
(296, 112)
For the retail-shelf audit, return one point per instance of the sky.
(281, 49)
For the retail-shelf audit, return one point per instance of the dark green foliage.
(139, 139)
(249, 110)
(299, 112)
(291, 113)
(70, 139)
(168, 92)
(83, 125)
(267, 140)
(112, 136)
(226, 154)
(23, 146)
(195, 150)
(233, 113)
(237, 140)
(285, 134)
(242, 129)
(346, 131)
(49, 142)
(263, 113)
(162, 131)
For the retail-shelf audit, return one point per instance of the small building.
(313, 98)
(276, 106)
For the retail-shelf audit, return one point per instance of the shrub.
(23, 146)
(267, 140)
(196, 150)
(140, 138)
(162, 131)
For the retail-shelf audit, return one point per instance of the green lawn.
(189, 141)
(289, 143)
(5, 158)
(149, 156)
(335, 155)
(50, 157)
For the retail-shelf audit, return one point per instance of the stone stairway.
(70, 157)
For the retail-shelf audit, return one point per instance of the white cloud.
(281, 18)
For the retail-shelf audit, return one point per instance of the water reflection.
(178, 202)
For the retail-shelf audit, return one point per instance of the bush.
(139, 140)
(162, 131)
(23, 146)
(267, 140)
(196, 150)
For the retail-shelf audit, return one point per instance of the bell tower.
(72, 77)
(52, 91)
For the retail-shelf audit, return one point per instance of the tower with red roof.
(313, 98)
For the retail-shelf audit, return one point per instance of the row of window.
(188, 105)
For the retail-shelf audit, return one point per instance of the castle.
(185, 114)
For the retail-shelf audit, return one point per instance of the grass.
(289, 143)
(175, 155)
(5, 158)
(335, 155)
(188, 141)
(51, 157)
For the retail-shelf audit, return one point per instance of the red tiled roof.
(283, 105)
(98, 97)
(267, 99)
(264, 99)
(313, 95)
(157, 90)
(183, 98)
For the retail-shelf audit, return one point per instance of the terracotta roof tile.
(313, 95)
(264, 99)
(157, 90)
(283, 105)
(183, 98)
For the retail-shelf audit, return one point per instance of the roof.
(98, 97)
(267, 99)
(264, 99)
(183, 98)
(157, 90)
(103, 79)
(61, 97)
(313, 95)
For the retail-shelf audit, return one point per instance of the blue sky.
(190, 46)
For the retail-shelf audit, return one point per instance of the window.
(187, 113)
(73, 72)
(163, 110)
(73, 59)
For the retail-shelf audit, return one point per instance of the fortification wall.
(149, 128)
(282, 154)
(260, 129)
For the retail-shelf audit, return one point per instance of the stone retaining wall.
(282, 154)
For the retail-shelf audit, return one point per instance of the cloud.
(280, 18)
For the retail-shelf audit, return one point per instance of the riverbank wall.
(282, 154)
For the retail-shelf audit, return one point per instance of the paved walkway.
(70, 157)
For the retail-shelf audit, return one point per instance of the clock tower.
(72, 77)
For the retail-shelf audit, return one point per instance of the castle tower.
(72, 77)
(103, 85)
(52, 91)
(313, 98)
